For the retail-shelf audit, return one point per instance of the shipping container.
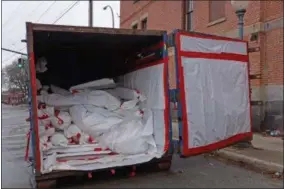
(206, 76)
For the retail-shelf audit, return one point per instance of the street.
(199, 171)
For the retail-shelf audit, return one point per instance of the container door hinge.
(171, 40)
(177, 95)
(174, 95)
(253, 49)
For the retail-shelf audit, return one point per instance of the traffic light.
(21, 62)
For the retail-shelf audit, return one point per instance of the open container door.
(214, 104)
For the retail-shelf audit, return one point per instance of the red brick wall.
(272, 9)
(162, 15)
(274, 56)
(168, 15)
(273, 43)
(201, 17)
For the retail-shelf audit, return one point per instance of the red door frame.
(185, 150)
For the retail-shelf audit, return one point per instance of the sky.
(16, 13)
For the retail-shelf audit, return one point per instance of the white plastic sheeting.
(196, 44)
(217, 99)
(149, 81)
(102, 163)
(58, 139)
(61, 121)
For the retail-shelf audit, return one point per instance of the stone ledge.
(251, 161)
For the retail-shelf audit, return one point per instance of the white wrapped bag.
(94, 121)
(44, 115)
(97, 98)
(58, 90)
(49, 131)
(129, 137)
(58, 139)
(76, 135)
(61, 120)
(41, 65)
(97, 84)
(45, 144)
(131, 104)
(127, 94)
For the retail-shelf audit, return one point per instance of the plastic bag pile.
(96, 114)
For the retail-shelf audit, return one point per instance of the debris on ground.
(273, 133)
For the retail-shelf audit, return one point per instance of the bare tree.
(4, 80)
(16, 77)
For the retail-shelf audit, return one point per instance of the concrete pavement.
(265, 155)
(274, 144)
(15, 173)
(199, 171)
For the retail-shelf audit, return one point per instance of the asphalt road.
(198, 172)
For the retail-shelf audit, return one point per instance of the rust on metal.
(253, 49)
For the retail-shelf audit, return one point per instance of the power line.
(13, 51)
(13, 55)
(66, 12)
(13, 28)
(36, 8)
(46, 10)
(63, 14)
(50, 6)
(13, 13)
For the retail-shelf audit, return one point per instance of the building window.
(135, 26)
(216, 10)
(189, 15)
(144, 24)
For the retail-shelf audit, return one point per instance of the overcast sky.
(16, 13)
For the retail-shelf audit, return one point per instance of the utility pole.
(90, 13)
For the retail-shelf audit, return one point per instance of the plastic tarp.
(149, 81)
(216, 85)
(217, 100)
(197, 44)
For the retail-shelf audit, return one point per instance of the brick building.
(263, 28)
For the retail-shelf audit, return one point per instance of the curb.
(254, 162)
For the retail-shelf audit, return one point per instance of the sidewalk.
(266, 154)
